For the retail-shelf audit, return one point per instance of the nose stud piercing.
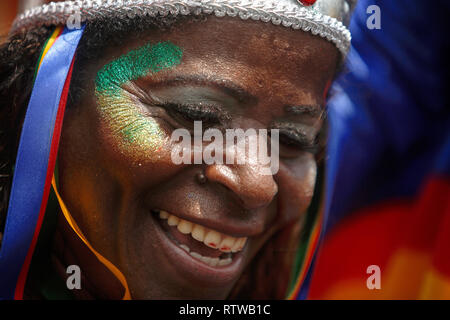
(201, 178)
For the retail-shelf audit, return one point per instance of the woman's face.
(116, 171)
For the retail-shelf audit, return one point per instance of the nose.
(249, 182)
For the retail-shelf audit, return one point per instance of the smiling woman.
(177, 230)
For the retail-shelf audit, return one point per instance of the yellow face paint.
(122, 117)
(119, 111)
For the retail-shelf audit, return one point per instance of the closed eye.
(186, 114)
(298, 141)
(298, 137)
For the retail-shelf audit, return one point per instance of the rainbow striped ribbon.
(35, 165)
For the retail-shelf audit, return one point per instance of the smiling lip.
(195, 260)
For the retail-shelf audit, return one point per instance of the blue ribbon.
(32, 159)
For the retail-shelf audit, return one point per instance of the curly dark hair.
(18, 58)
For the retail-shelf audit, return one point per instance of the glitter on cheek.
(137, 134)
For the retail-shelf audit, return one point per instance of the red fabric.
(408, 239)
(51, 167)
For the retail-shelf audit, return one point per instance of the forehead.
(250, 53)
(256, 42)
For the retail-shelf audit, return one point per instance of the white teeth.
(198, 233)
(184, 227)
(227, 244)
(236, 246)
(196, 255)
(239, 245)
(185, 247)
(173, 221)
(242, 243)
(164, 215)
(224, 262)
(210, 238)
(206, 260)
(213, 262)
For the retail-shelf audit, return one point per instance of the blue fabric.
(389, 115)
(32, 159)
(390, 118)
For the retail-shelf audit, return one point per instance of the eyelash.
(210, 115)
(299, 141)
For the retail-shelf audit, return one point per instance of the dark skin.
(110, 191)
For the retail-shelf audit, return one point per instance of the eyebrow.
(227, 86)
(315, 111)
(242, 95)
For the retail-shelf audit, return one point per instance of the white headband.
(325, 18)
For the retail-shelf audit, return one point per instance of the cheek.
(128, 130)
(307, 179)
(135, 144)
(131, 135)
(296, 180)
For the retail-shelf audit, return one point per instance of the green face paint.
(135, 64)
(119, 110)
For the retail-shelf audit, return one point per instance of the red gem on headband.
(307, 2)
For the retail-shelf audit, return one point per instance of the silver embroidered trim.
(299, 18)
